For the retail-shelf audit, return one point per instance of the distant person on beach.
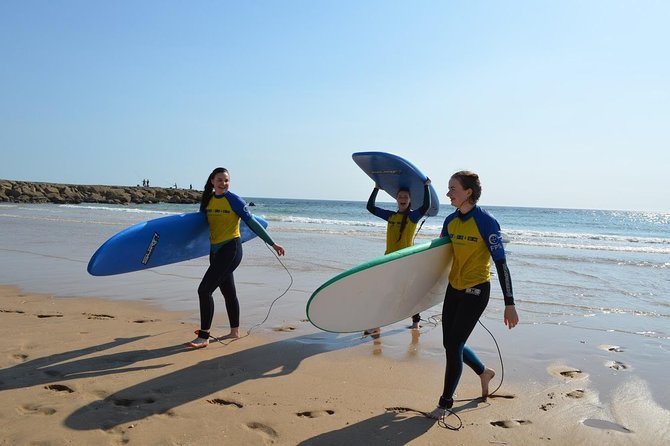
(224, 210)
(476, 238)
(400, 227)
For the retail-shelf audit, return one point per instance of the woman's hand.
(279, 249)
(511, 318)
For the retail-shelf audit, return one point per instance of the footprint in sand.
(576, 394)
(567, 372)
(145, 321)
(222, 402)
(2, 310)
(315, 413)
(59, 388)
(285, 328)
(616, 365)
(101, 317)
(263, 430)
(611, 348)
(20, 357)
(36, 409)
(547, 406)
(508, 424)
(42, 316)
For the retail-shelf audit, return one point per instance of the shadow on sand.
(161, 394)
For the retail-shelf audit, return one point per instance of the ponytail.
(208, 189)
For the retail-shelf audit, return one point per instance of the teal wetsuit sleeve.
(239, 206)
(259, 230)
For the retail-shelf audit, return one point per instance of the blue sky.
(554, 103)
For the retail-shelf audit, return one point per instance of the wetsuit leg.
(227, 287)
(460, 314)
(221, 264)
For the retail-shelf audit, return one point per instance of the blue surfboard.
(158, 242)
(392, 172)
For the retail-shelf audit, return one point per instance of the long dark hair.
(208, 190)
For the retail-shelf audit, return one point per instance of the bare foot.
(486, 377)
(438, 413)
(234, 334)
(198, 343)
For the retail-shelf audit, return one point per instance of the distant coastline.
(37, 192)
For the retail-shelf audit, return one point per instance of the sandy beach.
(93, 371)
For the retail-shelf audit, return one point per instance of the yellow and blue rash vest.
(394, 239)
(223, 216)
(476, 238)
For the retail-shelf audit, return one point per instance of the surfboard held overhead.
(392, 172)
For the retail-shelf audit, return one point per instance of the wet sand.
(93, 371)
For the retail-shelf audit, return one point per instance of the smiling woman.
(224, 211)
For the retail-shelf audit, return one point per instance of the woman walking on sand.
(224, 210)
(476, 238)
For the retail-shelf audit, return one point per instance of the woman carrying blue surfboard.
(224, 210)
(476, 238)
(401, 225)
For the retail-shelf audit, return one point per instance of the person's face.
(221, 182)
(457, 194)
(403, 200)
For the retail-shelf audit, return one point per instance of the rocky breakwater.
(33, 192)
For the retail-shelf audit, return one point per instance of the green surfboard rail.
(380, 261)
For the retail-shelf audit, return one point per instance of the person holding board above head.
(401, 226)
(476, 238)
(224, 210)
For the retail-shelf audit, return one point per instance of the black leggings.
(460, 313)
(220, 275)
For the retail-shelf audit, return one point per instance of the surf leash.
(441, 421)
(231, 340)
(420, 226)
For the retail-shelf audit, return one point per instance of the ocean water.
(566, 264)
(590, 276)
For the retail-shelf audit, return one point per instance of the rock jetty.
(34, 192)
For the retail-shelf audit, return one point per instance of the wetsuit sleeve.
(416, 214)
(259, 230)
(490, 230)
(371, 201)
(240, 208)
(505, 281)
(426, 199)
(377, 211)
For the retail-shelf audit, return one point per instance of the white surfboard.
(384, 290)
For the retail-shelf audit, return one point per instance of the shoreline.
(106, 371)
